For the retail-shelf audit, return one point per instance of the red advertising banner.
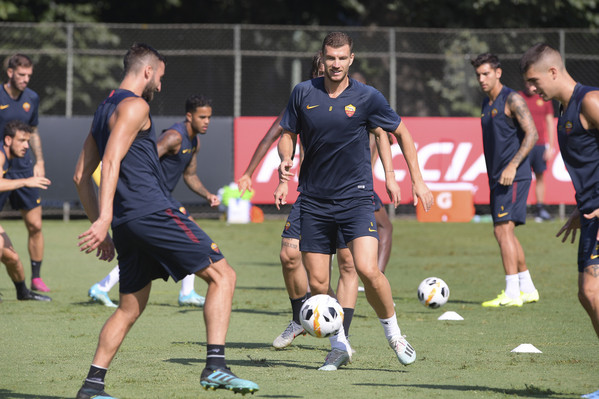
(450, 154)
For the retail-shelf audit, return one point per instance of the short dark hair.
(195, 101)
(316, 61)
(137, 52)
(533, 55)
(486, 58)
(18, 60)
(11, 128)
(338, 39)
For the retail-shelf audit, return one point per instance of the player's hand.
(421, 190)
(106, 249)
(281, 194)
(37, 182)
(508, 174)
(39, 170)
(94, 236)
(547, 154)
(393, 191)
(244, 183)
(571, 226)
(213, 200)
(285, 173)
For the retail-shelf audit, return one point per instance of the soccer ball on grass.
(433, 292)
(321, 316)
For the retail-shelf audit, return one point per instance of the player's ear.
(553, 72)
(499, 72)
(9, 72)
(351, 58)
(188, 116)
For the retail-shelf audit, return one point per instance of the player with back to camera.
(177, 149)
(332, 116)
(19, 102)
(294, 273)
(383, 223)
(542, 115)
(577, 132)
(152, 237)
(509, 134)
(15, 144)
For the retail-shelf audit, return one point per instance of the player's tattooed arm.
(519, 111)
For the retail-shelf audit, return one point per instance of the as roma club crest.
(350, 110)
(26, 107)
(568, 127)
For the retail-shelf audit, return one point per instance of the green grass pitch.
(46, 348)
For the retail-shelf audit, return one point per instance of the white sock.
(110, 280)
(340, 341)
(512, 287)
(526, 284)
(187, 284)
(390, 326)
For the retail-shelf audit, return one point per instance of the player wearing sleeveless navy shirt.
(332, 115)
(18, 102)
(176, 148)
(153, 239)
(14, 146)
(509, 133)
(578, 135)
(174, 165)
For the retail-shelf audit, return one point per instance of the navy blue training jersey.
(502, 138)
(139, 190)
(173, 166)
(24, 109)
(580, 151)
(334, 133)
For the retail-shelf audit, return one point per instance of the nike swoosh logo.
(500, 215)
(185, 151)
(371, 230)
(312, 106)
(4, 106)
(594, 256)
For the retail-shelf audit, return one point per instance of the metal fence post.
(69, 87)
(237, 78)
(392, 70)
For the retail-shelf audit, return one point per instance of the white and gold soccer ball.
(433, 292)
(321, 316)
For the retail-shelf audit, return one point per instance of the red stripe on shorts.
(514, 192)
(180, 223)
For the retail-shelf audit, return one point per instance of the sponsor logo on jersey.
(3, 106)
(493, 112)
(26, 106)
(350, 110)
(568, 127)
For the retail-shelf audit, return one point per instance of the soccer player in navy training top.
(578, 136)
(18, 102)
(178, 147)
(152, 237)
(509, 133)
(14, 146)
(332, 115)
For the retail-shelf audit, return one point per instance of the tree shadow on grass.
(529, 391)
(250, 362)
(8, 394)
